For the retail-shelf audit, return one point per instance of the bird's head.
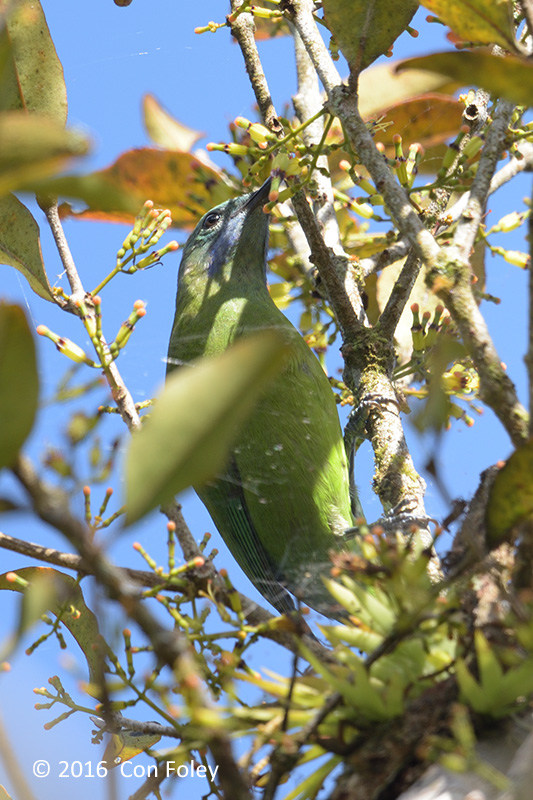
(229, 242)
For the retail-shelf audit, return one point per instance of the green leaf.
(164, 129)
(367, 29)
(510, 77)
(310, 786)
(362, 639)
(511, 495)
(19, 382)
(35, 79)
(478, 21)
(516, 683)
(34, 147)
(67, 602)
(470, 689)
(374, 606)
(490, 671)
(20, 246)
(187, 437)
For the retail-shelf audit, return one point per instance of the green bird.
(282, 503)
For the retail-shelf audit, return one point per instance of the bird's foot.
(356, 426)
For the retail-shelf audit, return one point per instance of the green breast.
(282, 503)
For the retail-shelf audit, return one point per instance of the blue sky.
(112, 56)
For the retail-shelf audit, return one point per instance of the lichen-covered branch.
(449, 274)
(396, 479)
(343, 104)
(300, 12)
(470, 220)
(307, 102)
(336, 271)
(243, 29)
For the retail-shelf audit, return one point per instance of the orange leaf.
(175, 180)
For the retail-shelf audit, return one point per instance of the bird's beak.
(258, 198)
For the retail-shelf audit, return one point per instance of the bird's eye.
(211, 220)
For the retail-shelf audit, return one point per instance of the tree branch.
(50, 209)
(242, 28)
(204, 579)
(307, 102)
(470, 220)
(384, 258)
(343, 103)
(336, 271)
(506, 173)
(169, 645)
(401, 291)
(451, 278)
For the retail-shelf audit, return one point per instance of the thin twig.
(513, 167)
(119, 390)
(506, 173)
(255, 615)
(52, 215)
(384, 258)
(301, 14)
(13, 770)
(401, 291)
(452, 282)
(336, 271)
(451, 279)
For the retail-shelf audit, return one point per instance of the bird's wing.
(226, 502)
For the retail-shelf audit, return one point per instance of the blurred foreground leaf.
(32, 78)
(34, 147)
(172, 179)
(511, 496)
(187, 437)
(510, 77)
(380, 87)
(479, 21)
(19, 382)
